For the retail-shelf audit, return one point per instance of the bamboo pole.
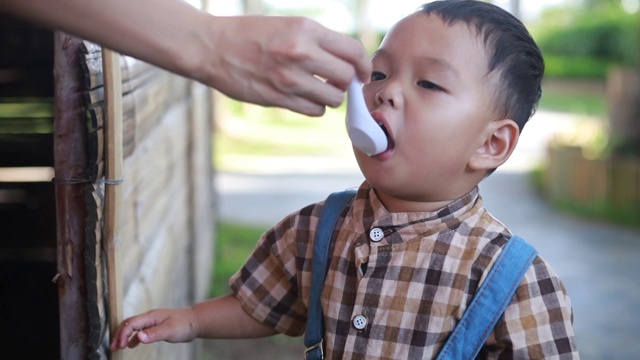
(113, 177)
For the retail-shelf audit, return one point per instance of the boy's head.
(511, 51)
(453, 84)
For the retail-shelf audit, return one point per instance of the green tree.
(601, 3)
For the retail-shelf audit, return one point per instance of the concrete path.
(597, 262)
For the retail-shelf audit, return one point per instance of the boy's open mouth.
(390, 143)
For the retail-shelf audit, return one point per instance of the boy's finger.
(123, 334)
(120, 337)
(134, 341)
(153, 334)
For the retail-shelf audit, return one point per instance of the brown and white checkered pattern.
(412, 287)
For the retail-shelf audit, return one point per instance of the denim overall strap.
(333, 206)
(490, 301)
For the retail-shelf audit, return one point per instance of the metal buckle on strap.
(319, 345)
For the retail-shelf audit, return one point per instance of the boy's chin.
(380, 179)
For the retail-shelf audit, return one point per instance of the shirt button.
(359, 322)
(376, 234)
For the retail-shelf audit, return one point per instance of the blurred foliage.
(575, 67)
(600, 3)
(574, 102)
(584, 42)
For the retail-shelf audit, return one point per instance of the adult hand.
(172, 325)
(282, 61)
(271, 61)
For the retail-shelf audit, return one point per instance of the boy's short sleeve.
(267, 286)
(538, 323)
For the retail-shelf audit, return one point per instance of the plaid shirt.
(398, 283)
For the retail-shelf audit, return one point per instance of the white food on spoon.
(365, 134)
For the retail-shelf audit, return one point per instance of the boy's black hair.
(511, 51)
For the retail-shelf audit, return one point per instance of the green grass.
(240, 145)
(234, 243)
(252, 131)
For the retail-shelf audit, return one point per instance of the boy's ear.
(499, 142)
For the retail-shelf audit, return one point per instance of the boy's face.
(431, 91)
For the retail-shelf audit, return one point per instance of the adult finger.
(312, 95)
(295, 89)
(313, 90)
(350, 50)
(302, 105)
(330, 55)
(336, 70)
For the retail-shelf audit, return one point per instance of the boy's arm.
(221, 317)
(224, 317)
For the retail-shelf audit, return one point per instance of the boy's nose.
(391, 94)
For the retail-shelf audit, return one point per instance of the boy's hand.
(172, 325)
(219, 318)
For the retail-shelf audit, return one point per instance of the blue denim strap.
(331, 211)
(490, 301)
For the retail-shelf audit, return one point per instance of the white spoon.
(365, 134)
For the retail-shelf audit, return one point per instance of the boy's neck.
(398, 205)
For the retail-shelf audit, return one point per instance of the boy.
(453, 85)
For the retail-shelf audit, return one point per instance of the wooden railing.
(607, 185)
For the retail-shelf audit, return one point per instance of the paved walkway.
(597, 262)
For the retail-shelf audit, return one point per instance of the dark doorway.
(29, 319)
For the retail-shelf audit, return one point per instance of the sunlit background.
(572, 187)
(340, 15)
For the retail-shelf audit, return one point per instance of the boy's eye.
(377, 75)
(429, 85)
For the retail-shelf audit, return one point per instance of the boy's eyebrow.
(440, 63)
(431, 61)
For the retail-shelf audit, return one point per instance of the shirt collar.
(375, 214)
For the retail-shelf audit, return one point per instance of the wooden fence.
(165, 219)
(55, 196)
(598, 184)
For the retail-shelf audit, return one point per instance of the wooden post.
(113, 178)
(623, 96)
(70, 165)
